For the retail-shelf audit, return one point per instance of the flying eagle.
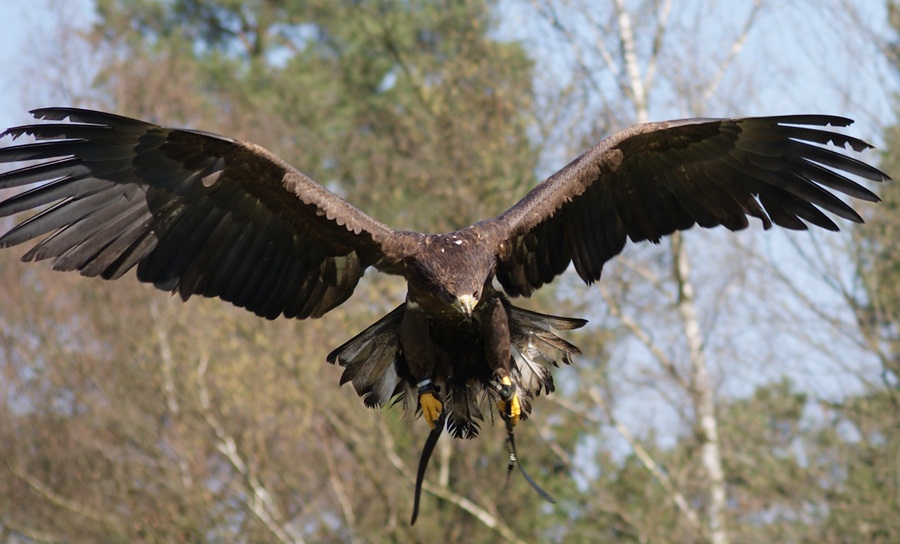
(199, 213)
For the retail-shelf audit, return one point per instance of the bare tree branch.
(712, 86)
(604, 503)
(489, 520)
(642, 454)
(258, 500)
(77, 508)
(662, 22)
(167, 366)
(29, 533)
(337, 485)
(643, 337)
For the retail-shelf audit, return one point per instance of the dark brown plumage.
(203, 214)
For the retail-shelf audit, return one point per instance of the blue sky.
(803, 30)
(24, 26)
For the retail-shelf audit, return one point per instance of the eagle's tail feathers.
(463, 410)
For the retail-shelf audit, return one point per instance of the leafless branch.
(548, 11)
(489, 520)
(258, 500)
(58, 500)
(337, 485)
(167, 366)
(643, 336)
(733, 51)
(608, 505)
(29, 533)
(640, 451)
(662, 23)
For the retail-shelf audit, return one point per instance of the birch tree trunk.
(701, 388)
(621, 41)
(702, 393)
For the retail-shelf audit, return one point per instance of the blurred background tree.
(129, 417)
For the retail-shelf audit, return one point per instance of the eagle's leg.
(495, 331)
(415, 338)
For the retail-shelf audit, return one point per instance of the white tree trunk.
(702, 393)
(701, 388)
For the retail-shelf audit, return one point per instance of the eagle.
(201, 214)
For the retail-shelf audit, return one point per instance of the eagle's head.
(451, 274)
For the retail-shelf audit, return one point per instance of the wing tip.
(815, 119)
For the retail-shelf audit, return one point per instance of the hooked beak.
(467, 305)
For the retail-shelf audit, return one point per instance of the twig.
(259, 500)
(490, 521)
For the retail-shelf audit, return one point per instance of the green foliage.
(861, 477)
(392, 104)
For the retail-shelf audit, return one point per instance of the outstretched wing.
(196, 213)
(653, 179)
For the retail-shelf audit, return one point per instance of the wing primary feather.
(775, 201)
(798, 119)
(64, 213)
(121, 124)
(60, 133)
(119, 236)
(804, 188)
(62, 168)
(51, 192)
(823, 137)
(78, 233)
(830, 179)
(821, 155)
(81, 148)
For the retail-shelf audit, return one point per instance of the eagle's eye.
(446, 297)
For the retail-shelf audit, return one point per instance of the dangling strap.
(514, 460)
(423, 462)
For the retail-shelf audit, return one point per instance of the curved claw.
(431, 408)
(508, 404)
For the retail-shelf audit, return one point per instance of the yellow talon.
(510, 408)
(431, 408)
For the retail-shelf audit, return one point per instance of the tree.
(131, 417)
(628, 62)
(209, 423)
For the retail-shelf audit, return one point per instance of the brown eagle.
(198, 213)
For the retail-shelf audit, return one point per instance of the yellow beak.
(467, 304)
